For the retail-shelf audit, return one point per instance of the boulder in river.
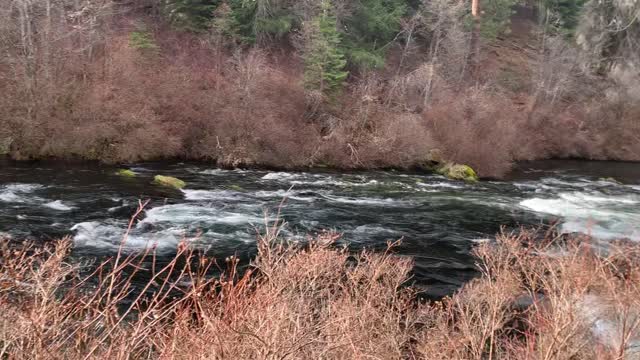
(610, 180)
(457, 172)
(126, 173)
(169, 181)
(235, 187)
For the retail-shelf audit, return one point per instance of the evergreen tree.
(324, 59)
(192, 15)
(371, 27)
(256, 20)
(562, 15)
(495, 17)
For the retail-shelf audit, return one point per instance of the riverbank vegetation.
(334, 83)
(538, 296)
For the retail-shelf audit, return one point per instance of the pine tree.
(261, 20)
(562, 15)
(324, 59)
(369, 30)
(192, 15)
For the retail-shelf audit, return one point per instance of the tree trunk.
(475, 41)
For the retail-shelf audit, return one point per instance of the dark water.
(439, 220)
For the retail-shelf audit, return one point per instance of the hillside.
(299, 86)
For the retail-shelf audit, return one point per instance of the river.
(438, 220)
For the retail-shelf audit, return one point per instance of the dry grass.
(539, 296)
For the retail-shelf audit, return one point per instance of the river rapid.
(438, 220)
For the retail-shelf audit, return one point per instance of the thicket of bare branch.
(538, 296)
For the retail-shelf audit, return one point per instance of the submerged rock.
(457, 172)
(611, 180)
(126, 173)
(169, 181)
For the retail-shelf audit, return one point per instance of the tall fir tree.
(371, 27)
(324, 59)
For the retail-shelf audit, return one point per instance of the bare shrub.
(257, 117)
(300, 302)
(539, 296)
(620, 142)
(541, 300)
(476, 127)
(370, 133)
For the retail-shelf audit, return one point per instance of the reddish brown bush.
(536, 298)
(101, 96)
(478, 128)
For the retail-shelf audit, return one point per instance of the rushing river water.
(439, 220)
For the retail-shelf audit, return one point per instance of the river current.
(438, 220)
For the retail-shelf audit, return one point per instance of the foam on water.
(211, 194)
(188, 214)
(572, 205)
(9, 196)
(116, 208)
(93, 234)
(165, 226)
(281, 176)
(373, 229)
(441, 184)
(599, 198)
(599, 215)
(366, 201)
(18, 193)
(333, 182)
(58, 205)
(211, 172)
(534, 185)
(282, 194)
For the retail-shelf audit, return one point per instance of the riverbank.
(184, 96)
(554, 298)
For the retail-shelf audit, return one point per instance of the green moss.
(169, 181)
(235, 188)
(457, 172)
(126, 173)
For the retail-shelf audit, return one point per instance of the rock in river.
(169, 181)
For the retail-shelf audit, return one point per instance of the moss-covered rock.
(126, 173)
(611, 180)
(169, 181)
(236, 187)
(457, 172)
